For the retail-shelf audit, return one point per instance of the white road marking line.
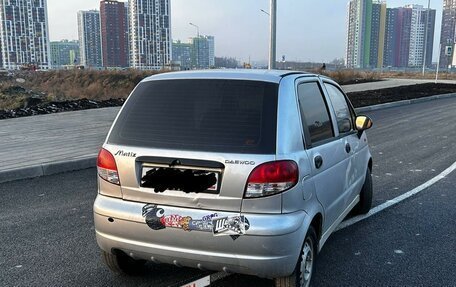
(205, 281)
(398, 199)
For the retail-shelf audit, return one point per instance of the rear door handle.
(347, 148)
(318, 160)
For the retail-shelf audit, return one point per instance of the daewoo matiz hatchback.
(237, 171)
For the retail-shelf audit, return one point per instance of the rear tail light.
(272, 178)
(107, 168)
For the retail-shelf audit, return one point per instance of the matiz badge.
(241, 162)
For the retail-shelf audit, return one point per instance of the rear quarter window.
(314, 112)
(230, 116)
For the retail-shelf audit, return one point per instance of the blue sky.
(308, 30)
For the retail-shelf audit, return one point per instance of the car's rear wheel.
(302, 275)
(121, 263)
(365, 196)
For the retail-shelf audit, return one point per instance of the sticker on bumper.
(230, 225)
(156, 219)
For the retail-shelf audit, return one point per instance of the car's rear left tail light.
(272, 178)
(107, 168)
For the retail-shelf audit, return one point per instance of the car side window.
(314, 112)
(340, 106)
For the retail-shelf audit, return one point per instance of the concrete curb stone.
(90, 161)
(47, 169)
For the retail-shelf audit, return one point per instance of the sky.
(307, 30)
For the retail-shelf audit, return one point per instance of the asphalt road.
(47, 236)
(410, 244)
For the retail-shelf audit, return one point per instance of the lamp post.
(426, 36)
(273, 35)
(197, 43)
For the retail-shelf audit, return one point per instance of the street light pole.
(197, 44)
(273, 35)
(426, 36)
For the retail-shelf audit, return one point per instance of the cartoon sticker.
(185, 222)
(152, 215)
(172, 220)
(209, 217)
(200, 225)
(230, 225)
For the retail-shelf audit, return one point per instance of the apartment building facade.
(89, 31)
(64, 53)
(24, 33)
(114, 41)
(447, 34)
(150, 34)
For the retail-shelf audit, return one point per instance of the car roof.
(273, 76)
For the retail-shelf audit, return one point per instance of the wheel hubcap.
(306, 263)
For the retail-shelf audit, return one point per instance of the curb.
(47, 169)
(403, 103)
(90, 161)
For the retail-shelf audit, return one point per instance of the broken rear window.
(233, 116)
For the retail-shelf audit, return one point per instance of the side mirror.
(363, 123)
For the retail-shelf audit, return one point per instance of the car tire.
(365, 196)
(123, 264)
(302, 275)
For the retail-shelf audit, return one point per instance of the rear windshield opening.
(230, 116)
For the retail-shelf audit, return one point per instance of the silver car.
(239, 171)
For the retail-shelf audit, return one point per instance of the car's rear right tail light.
(107, 168)
(272, 178)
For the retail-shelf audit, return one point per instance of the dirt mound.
(57, 107)
(375, 97)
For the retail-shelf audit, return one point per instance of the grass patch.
(78, 84)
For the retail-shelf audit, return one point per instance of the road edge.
(85, 162)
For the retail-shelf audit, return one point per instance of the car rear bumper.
(269, 248)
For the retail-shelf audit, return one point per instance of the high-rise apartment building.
(391, 38)
(127, 32)
(366, 33)
(447, 35)
(352, 59)
(419, 41)
(114, 41)
(89, 31)
(203, 52)
(402, 51)
(377, 40)
(150, 34)
(211, 44)
(397, 37)
(64, 53)
(24, 34)
(182, 55)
